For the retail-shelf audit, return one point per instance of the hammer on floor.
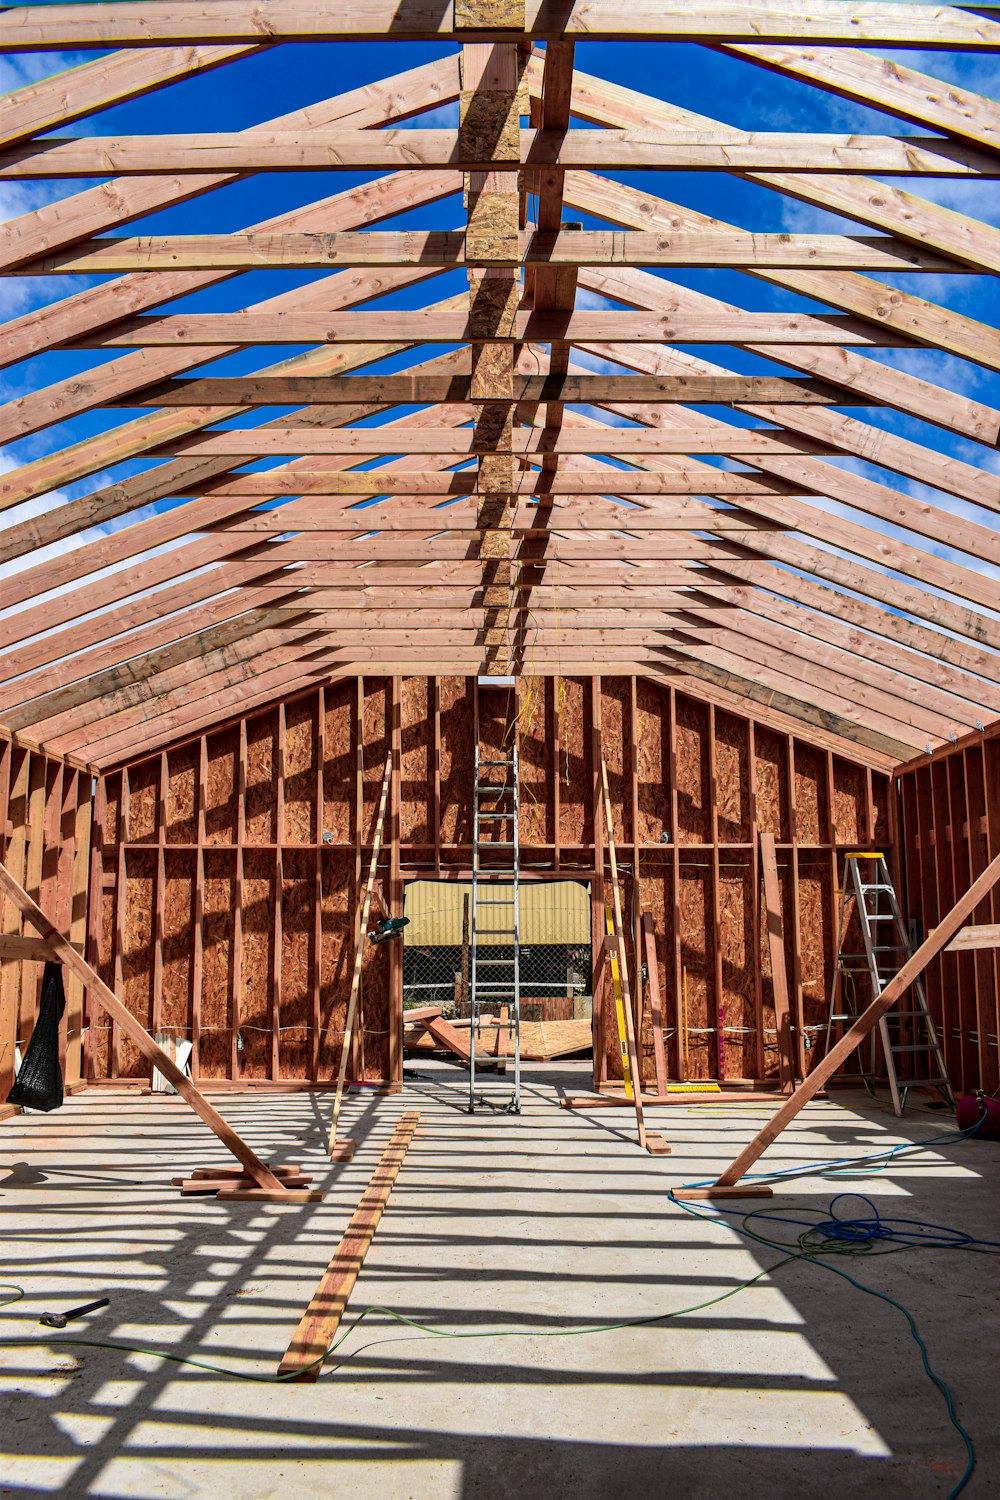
(59, 1320)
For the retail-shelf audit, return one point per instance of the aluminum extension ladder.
(495, 947)
(867, 884)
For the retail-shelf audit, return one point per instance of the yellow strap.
(619, 1006)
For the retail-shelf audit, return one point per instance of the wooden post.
(654, 1144)
(935, 943)
(343, 1150)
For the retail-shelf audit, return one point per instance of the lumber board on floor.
(319, 1323)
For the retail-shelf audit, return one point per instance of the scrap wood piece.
(343, 1150)
(138, 1035)
(852, 1038)
(972, 938)
(776, 947)
(654, 1144)
(321, 1319)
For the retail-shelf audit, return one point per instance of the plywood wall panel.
(732, 760)
(298, 904)
(137, 954)
(337, 882)
(262, 779)
(536, 732)
(340, 756)
(693, 781)
(215, 1050)
(257, 989)
(416, 767)
(260, 811)
(653, 760)
(772, 782)
(144, 793)
(301, 770)
(737, 942)
(182, 795)
(457, 721)
(222, 786)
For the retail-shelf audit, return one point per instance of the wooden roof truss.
(552, 495)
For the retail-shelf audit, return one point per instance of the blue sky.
(725, 89)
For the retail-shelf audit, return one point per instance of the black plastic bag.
(39, 1083)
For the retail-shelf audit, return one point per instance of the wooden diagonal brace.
(64, 951)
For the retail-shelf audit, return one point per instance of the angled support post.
(63, 950)
(727, 1185)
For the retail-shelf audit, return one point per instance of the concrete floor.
(800, 1386)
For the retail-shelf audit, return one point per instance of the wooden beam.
(935, 942)
(985, 935)
(243, 391)
(319, 1323)
(94, 25)
(448, 249)
(81, 91)
(211, 329)
(415, 149)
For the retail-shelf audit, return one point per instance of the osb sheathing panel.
(812, 815)
(732, 761)
(377, 730)
(616, 741)
(113, 803)
(99, 1050)
(337, 880)
(536, 752)
(340, 740)
(298, 920)
(416, 769)
(554, 718)
(574, 699)
(457, 717)
(178, 941)
(737, 945)
(815, 923)
(699, 1002)
(182, 794)
(143, 798)
(656, 896)
(653, 757)
(771, 756)
(262, 779)
(848, 802)
(301, 773)
(215, 1050)
(222, 787)
(693, 780)
(257, 989)
(137, 953)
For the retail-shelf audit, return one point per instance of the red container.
(973, 1107)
